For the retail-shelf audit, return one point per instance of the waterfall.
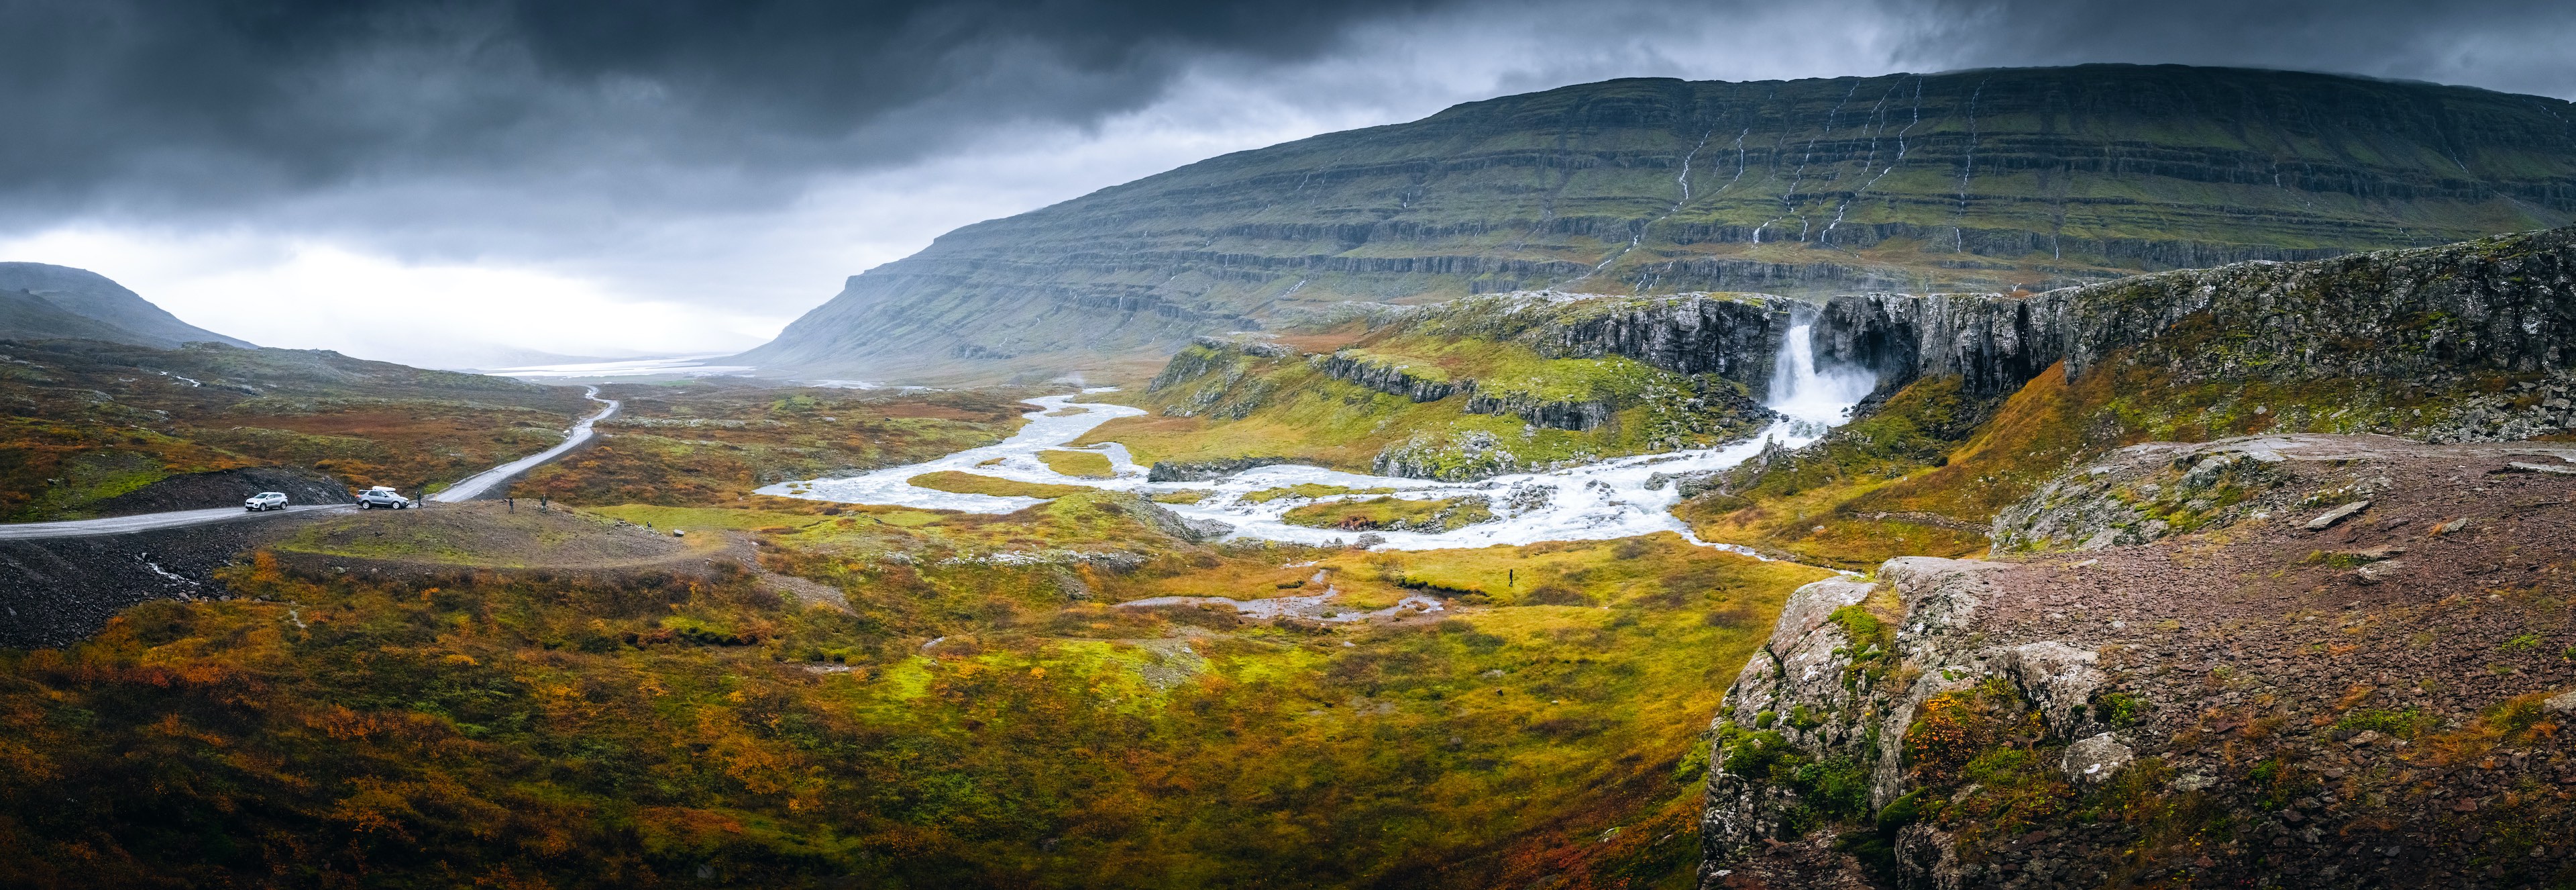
(1812, 398)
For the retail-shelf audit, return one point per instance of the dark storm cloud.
(149, 106)
(2509, 45)
(134, 101)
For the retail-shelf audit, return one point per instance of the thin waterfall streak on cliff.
(1788, 199)
(1878, 128)
(1967, 169)
(1684, 179)
(1739, 161)
(1639, 236)
(1873, 155)
(1814, 397)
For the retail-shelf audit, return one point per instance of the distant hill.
(40, 301)
(1972, 180)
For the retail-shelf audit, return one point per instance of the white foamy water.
(1609, 499)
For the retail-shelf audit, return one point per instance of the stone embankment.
(2344, 661)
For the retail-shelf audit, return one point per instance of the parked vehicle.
(266, 500)
(381, 496)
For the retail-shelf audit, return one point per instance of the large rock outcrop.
(1835, 688)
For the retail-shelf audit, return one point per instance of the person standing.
(512, 503)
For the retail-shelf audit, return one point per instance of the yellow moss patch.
(1306, 490)
(1448, 514)
(958, 482)
(1085, 464)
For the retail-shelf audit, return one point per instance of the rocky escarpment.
(1392, 379)
(1995, 343)
(1218, 377)
(1963, 181)
(2494, 305)
(2431, 317)
(1560, 415)
(1732, 337)
(2351, 672)
(1735, 336)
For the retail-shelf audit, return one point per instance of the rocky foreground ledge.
(2328, 661)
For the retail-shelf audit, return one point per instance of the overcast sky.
(427, 180)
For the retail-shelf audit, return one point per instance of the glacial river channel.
(1609, 499)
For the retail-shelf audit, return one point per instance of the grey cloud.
(2509, 45)
(159, 106)
(144, 103)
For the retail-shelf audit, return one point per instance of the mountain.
(1974, 180)
(117, 314)
(25, 316)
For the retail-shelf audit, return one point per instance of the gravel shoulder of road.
(62, 590)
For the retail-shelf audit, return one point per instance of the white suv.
(381, 496)
(266, 500)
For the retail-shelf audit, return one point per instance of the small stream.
(1609, 499)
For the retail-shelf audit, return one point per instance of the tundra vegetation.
(1460, 391)
(702, 441)
(968, 706)
(88, 421)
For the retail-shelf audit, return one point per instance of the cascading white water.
(1814, 399)
(1614, 498)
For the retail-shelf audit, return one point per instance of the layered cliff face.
(1471, 388)
(2273, 694)
(2431, 317)
(2504, 305)
(1973, 180)
(1994, 343)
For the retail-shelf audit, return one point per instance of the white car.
(381, 496)
(266, 500)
